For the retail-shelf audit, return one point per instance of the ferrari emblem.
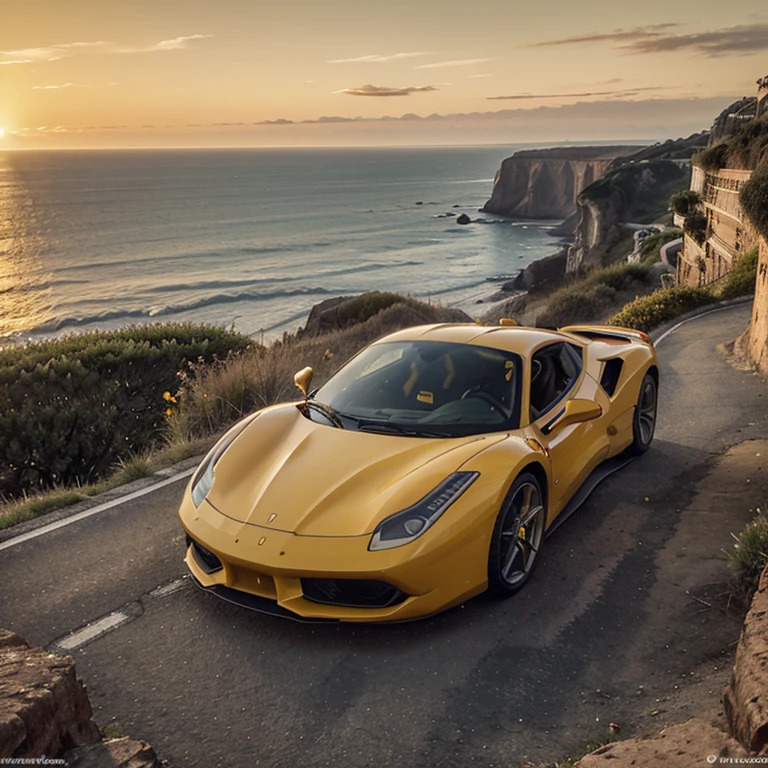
(272, 517)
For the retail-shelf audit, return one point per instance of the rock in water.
(463, 219)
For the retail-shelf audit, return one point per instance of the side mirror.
(303, 379)
(575, 412)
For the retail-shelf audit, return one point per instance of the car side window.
(554, 369)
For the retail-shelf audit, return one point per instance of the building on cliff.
(711, 251)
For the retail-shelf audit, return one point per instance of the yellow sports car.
(425, 471)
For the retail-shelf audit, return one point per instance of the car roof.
(519, 339)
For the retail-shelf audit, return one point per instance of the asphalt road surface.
(491, 683)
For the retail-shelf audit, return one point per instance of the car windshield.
(427, 388)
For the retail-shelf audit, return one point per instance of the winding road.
(606, 627)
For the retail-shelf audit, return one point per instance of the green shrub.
(712, 159)
(70, 408)
(586, 299)
(695, 225)
(620, 277)
(685, 202)
(741, 280)
(749, 555)
(647, 312)
(650, 249)
(576, 304)
(746, 149)
(754, 199)
(359, 309)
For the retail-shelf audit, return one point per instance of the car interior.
(435, 383)
(554, 369)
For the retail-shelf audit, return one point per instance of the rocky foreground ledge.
(45, 712)
(700, 742)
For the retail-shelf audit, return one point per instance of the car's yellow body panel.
(294, 498)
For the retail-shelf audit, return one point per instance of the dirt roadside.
(736, 483)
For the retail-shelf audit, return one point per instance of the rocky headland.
(545, 183)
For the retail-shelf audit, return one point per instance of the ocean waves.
(165, 311)
(255, 240)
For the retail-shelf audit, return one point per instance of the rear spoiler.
(607, 332)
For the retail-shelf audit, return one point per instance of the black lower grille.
(352, 593)
(204, 557)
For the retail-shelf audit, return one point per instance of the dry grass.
(214, 396)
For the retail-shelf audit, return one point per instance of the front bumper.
(263, 569)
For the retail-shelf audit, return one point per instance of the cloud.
(52, 87)
(527, 96)
(65, 50)
(618, 35)
(376, 58)
(379, 90)
(743, 40)
(483, 75)
(456, 63)
(177, 44)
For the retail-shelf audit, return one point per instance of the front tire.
(644, 418)
(517, 537)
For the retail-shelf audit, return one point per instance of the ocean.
(248, 238)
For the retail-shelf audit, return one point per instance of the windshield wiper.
(366, 425)
(326, 410)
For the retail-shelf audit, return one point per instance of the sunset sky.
(99, 73)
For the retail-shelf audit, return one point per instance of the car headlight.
(403, 527)
(203, 478)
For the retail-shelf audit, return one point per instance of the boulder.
(463, 219)
(44, 709)
(690, 744)
(119, 753)
(546, 272)
(746, 697)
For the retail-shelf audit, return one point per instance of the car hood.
(288, 473)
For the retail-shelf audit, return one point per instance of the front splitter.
(259, 604)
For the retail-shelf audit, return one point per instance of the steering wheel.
(483, 394)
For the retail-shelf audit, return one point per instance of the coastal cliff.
(545, 184)
(635, 189)
(631, 193)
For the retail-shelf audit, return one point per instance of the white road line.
(695, 317)
(112, 621)
(166, 589)
(79, 637)
(92, 511)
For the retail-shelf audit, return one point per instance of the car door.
(556, 376)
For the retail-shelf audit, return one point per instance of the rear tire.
(644, 418)
(517, 537)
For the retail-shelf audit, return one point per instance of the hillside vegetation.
(71, 408)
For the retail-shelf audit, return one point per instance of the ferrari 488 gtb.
(425, 471)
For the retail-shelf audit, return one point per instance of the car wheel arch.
(537, 469)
